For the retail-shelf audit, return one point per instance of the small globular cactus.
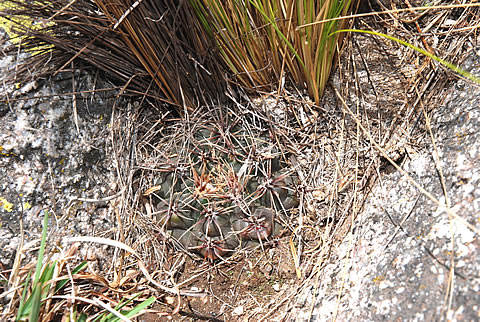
(225, 193)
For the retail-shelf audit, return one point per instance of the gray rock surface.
(395, 264)
(46, 161)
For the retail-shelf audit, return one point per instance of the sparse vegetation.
(180, 59)
(174, 51)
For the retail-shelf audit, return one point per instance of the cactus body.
(224, 193)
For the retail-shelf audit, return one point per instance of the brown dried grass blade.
(154, 46)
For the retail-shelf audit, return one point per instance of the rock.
(405, 273)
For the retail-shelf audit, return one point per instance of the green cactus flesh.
(224, 194)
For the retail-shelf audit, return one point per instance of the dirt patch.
(245, 289)
(251, 286)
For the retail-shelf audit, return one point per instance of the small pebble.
(276, 287)
(238, 310)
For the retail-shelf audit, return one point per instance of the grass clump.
(53, 293)
(150, 49)
(260, 42)
(179, 52)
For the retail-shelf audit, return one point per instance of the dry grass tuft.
(264, 42)
(173, 51)
(150, 48)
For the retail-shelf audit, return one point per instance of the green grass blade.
(46, 277)
(41, 252)
(445, 63)
(21, 307)
(77, 269)
(128, 314)
(31, 307)
(108, 316)
(280, 34)
(142, 306)
(36, 302)
(33, 303)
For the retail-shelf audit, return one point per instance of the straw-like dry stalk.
(153, 46)
(261, 41)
